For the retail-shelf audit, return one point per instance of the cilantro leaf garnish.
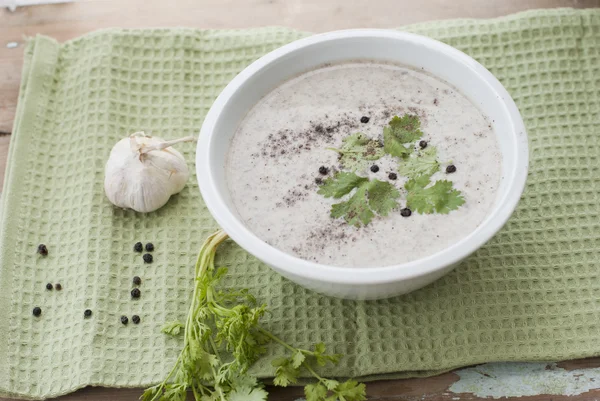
(382, 196)
(423, 163)
(358, 151)
(438, 198)
(342, 184)
(222, 338)
(399, 132)
(355, 210)
(371, 197)
(406, 129)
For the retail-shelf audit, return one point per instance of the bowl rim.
(292, 265)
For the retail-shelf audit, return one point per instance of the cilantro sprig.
(370, 197)
(222, 338)
(288, 370)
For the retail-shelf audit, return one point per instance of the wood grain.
(66, 21)
(424, 389)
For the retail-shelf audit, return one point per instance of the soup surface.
(274, 162)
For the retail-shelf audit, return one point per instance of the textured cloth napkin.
(531, 293)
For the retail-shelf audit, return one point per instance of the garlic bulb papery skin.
(142, 172)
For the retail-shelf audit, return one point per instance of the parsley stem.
(217, 387)
(196, 395)
(164, 383)
(214, 347)
(311, 370)
(289, 347)
(277, 339)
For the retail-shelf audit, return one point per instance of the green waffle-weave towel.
(532, 293)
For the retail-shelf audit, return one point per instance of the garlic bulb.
(142, 172)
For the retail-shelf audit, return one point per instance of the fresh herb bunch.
(223, 338)
(371, 197)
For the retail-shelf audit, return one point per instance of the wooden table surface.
(66, 21)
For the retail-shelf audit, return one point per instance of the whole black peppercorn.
(87, 313)
(318, 181)
(323, 170)
(124, 320)
(37, 311)
(137, 280)
(149, 247)
(147, 258)
(135, 319)
(392, 176)
(405, 212)
(451, 168)
(48, 286)
(364, 119)
(42, 250)
(135, 293)
(374, 168)
(423, 144)
(138, 247)
(58, 286)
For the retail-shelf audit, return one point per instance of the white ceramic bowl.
(441, 60)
